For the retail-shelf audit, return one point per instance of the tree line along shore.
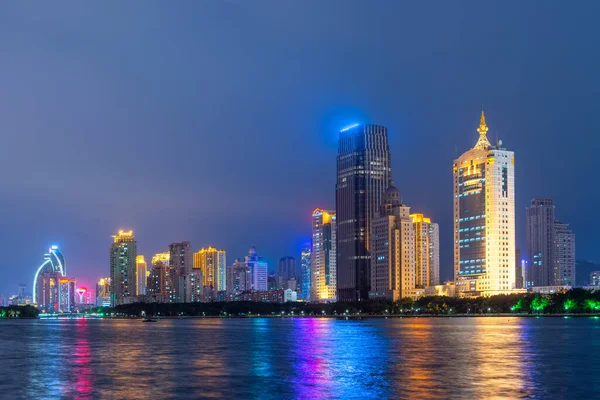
(572, 302)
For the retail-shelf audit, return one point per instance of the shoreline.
(339, 317)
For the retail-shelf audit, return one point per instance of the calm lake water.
(301, 358)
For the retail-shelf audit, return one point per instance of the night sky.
(217, 121)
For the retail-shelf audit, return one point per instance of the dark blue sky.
(216, 122)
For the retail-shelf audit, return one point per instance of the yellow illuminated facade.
(161, 257)
(213, 264)
(484, 218)
(393, 251)
(323, 285)
(141, 268)
(123, 236)
(103, 290)
(123, 272)
(427, 251)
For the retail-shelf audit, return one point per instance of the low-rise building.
(447, 289)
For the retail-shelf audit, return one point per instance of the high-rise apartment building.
(159, 282)
(141, 273)
(181, 259)
(550, 246)
(67, 290)
(259, 269)
(564, 254)
(427, 251)
(123, 253)
(540, 241)
(484, 218)
(239, 278)
(323, 256)
(191, 286)
(305, 267)
(393, 250)
(286, 268)
(213, 264)
(363, 175)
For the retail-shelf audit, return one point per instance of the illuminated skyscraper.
(123, 254)
(213, 264)
(141, 269)
(393, 263)
(181, 259)
(427, 251)
(305, 266)
(323, 256)
(67, 289)
(159, 281)
(259, 270)
(363, 175)
(46, 282)
(484, 218)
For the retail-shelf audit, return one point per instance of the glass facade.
(363, 175)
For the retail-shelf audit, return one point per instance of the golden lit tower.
(484, 218)
(393, 250)
(141, 269)
(213, 264)
(123, 253)
(323, 256)
(427, 251)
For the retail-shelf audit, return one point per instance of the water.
(301, 358)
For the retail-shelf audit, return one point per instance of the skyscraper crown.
(483, 142)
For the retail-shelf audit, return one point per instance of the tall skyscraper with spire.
(484, 218)
(363, 175)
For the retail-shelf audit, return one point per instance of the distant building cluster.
(53, 291)
(180, 275)
(370, 246)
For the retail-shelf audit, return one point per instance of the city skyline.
(273, 268)
(80, 199)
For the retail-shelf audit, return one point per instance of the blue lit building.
(363, 175)
(47, 281)
(305, 270)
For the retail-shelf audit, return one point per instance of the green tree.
(570, 305)
(539, 303)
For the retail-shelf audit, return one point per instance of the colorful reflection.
(338, 359)
(82, 358)
(301, 358)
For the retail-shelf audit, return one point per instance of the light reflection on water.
(301, 358)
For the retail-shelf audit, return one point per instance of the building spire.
(483, 142)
